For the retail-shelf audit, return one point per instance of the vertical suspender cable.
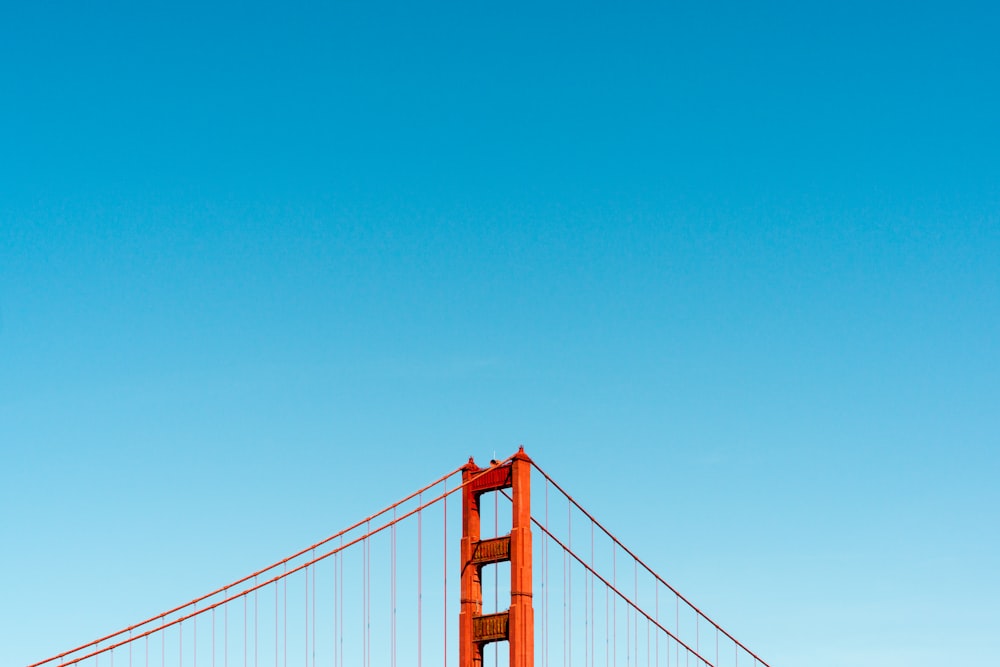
(392, 560)
(368, 596)
(496, 570)
(364, 603)
(564, 614)
(276, 617)
(284, 615)
(545, 585)
(340, 605)
(593, 615)
(313, 557)
(607, 624)
(445, 559)
(336, 609)
(420, 589)
(306, 572)
(314, 610)
(569, 585)
(335, 612)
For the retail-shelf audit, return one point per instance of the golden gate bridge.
(536, 580)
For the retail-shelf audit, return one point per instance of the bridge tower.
(516, 625)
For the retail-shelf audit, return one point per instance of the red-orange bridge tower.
(516, 625)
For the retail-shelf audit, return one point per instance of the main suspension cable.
(673, 590)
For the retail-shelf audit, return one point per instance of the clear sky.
(730, 272)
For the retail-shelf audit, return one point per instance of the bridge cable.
(393, 591)
(697, 611)
(444, 624)
(613, 584)
(545, 586)
(306, 655)
(367, 595)
(162, 616)
(420, 589)
(277, 618)
(256, 624)
(496, 571)
(614, 588)
(306, 572)
(284, 617)
(313, 556)
(593, 612)
(164, 624)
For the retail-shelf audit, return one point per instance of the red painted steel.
(493, 478)
(474, 629)
(522, 613)
(470, 652)
(512, 478)
(496, 550)
(491, 627)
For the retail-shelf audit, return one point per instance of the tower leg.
(517, 624)
(522, 615)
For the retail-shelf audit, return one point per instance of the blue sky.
(730, 272)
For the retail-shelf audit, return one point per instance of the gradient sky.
(729, 271)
